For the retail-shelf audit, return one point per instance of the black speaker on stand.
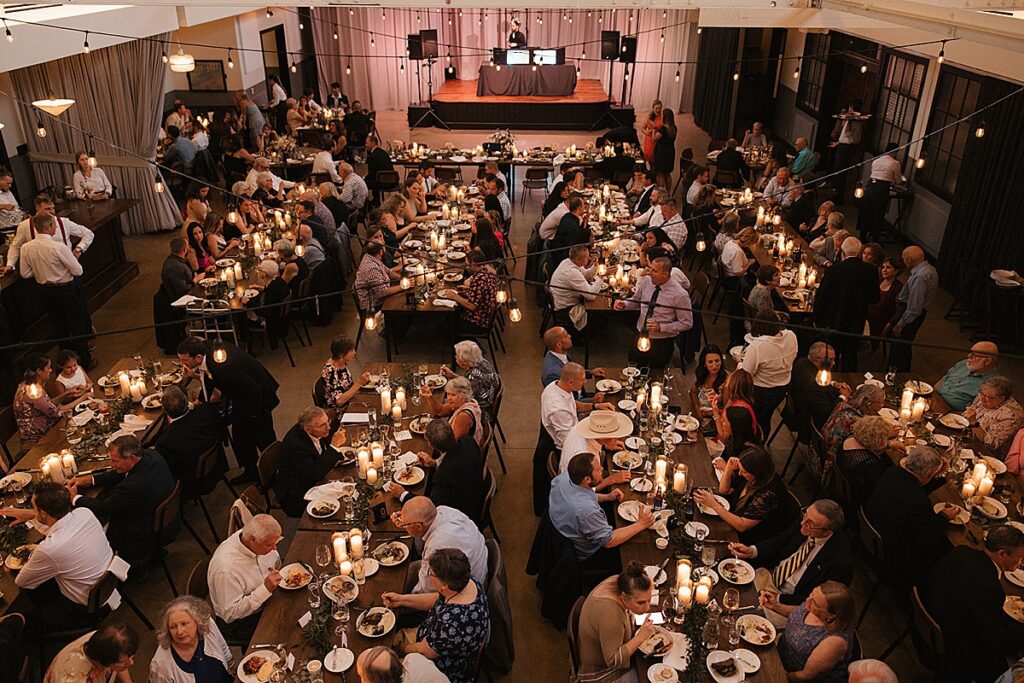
(610, 52)
(428, 42)
(609, 44)
(627, 55)
(427, 47)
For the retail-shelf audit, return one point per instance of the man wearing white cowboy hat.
(600, 429)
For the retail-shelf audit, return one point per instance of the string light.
(577, 70)
(7, 30)
(40, 129)
(699, 29)
(92, 154)
(677, 74)
(302, 26)
(864, 68)
(514, 314)
(663, 36)
(335, 35)
(919, 164)
(858, 192)
(383, 16)
(625, 73)
(231, 62)
(490, 63)
(373, 42)
(460, 14)
(643, 343)
(351, 12)
(370, 321)
(584, 53)
(979, 132)
(631, 16)
(85, 45)
(163, 53)
(824, 376)
(701, 241)
(220, 351)
(565, 16)
(348, 68)
(270, 13)
(232, 216)
(736, 75)
(158, 185)
(664, 13)
(448, 57)
(501, 296)
(401, 66)
(942, 53)
(417, 17)
(293, 68)
(796, 71)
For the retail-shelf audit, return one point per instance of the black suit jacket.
(914, 536)
(458, 480)
(569, 232)
(301, 468)
(643, 202)
(377, 160)
(130, 505)
(244, 382)
(964, 595)
(834, 562)
(810, 399)
(176, 277)
(845, 292)
(732, 160)
(182, 441)
(610, 166)
(803, 210)
(357, 126)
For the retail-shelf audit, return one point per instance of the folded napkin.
(355, 418)
(82, 418)
(447, 303)
(403, 435)
(458, 158)
(119, 568)
(331, 490)
(715, 448)
(677, 656)
(406, 459)
(185, 300)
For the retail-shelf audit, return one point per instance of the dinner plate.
(263, 658)
(412, 244)
(1015, 577)
(456, 255)
(629, 510)
(755, 629)
(662, 673)
(23, 477)
(323, 508)
(990, 507)
(659, 644)
(749, 662)
(152, 402)
(656, 574)
(375, 622)
(410, 261)
(708, 511)
(339, 659)
(169, 378)
(630, 372)
(941, 440)
(889, 414)
(391, 554)
(409, 476)
(106, 381)
(692, 528)
(994, 464)
(435, 382)
(736, 571)
(791, 295)
(462, 227)
(1009, 284)
(875, 383)
(716, 656)
(370, 566)
(1014, 606)
(295, 576)
(737, 353)
(225, 262)
(419, 424)
(340, 587)
(14, 563)
(687, 423)
(962, 515)
(208, 282)
(453, 277)
(954, 421)
(627, 460)
(708, 572)
(609, 386)
(94, 404)
(634, 442)
(918, 387)
(250, 293)
(640, 484)
(626, 404)
(675, 438)
(1003, 274)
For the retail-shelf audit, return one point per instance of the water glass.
(734, 630)
(341, 614)
(708, 555)
(314, 594)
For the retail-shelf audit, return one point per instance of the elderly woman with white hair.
(461, 409)
(274, 290)
(293, 269)
(481, 374)
(190, 647)
(265, 193)
(995, 414)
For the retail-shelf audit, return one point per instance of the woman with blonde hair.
(863, 457)
(461, 409)
(396, 215)
(818, 642)
(817, 229)
(190, 647)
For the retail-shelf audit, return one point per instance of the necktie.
(787, 568)
(650, 307)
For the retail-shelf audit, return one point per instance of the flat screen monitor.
(514, 57)
(545, 56)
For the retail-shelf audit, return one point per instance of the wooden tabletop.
(641, 547)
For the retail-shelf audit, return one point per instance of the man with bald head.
(558, 341)
(804, 162)
(434, 527)
(914, 299)
(961, 383)
(846, 291)
(381, 665)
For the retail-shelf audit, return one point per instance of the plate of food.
(410, 261)
(339, 659)
(96, 405)
(708, 572)
(748, 661)
(629, 510)
(1014, 606)
(693, 528)
(341, 588)
(609, 386)
(994, 464)
(409, 476)
(918, 387)
(391, 554)
(641, 484)
(322, 508)
(153, 402)
(375, 622)
(708, 511)
(961, 517)
(723, 667)
(736, 571)
(209, 282)
(755, 629)
(630, 372)
(256, 667)
(370, 566)
(412, 244)
(659, 644)
(687, 423)
(990, 507)
(662, 673)
(435, 382)
(736, 353)
(656, 574)
(419, 425)
(889, 414)
(627, 460)
(942, 440)
(22, 478)
(635, 442)
(453, 277)
(295, 576)
(169, 378)
(791, 295)
(19, 556)
(107, 381)
(225, 262)
(455, 255)
(626, 404)
(955, 421)
(372, 381)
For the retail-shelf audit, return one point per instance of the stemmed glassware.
(323, 558)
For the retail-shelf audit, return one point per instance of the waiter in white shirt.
(886, 170)
(10, 212)
(50, 261)
(65, 230)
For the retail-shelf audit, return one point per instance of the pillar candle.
(683, 569)
(985, 487)
(396, 412)
(238, 271)
(905, 414)
(918, 410)
(385, 400)
(125, 382)
(442, 241)
(703, 593)
(968, 490)
(660, 469)
(363, 458)
(400, 397)
(907, 398)
(288, 219)
(345, 567)
(371, 476)
(811, 277)
(679, 479)
(641, 398)
(802, 272)
(979, 473)
(685, 595)
(340, 548)
(655, 396)
(377, 451)
(355, 542)
(68, 463)
(229, 277)
(136, 391)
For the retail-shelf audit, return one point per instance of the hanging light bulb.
(232, 216)
(664, 13)
(701, 242)
(824, 376)
(663, 36)
(405, 282)
(92, 159)
(383, 16)
(7, 30)
(570, 19)
(699, 29)
(630, 16)
(302, 26)
(625, 73)
(501, 296)
(163, 53)
(979, 132)
(40, 129)
(220, 352)
(351, 12)
(858, 192)
(584, 53)
(514, 314)
(158, 185)
(348, 69)
(497, 67)
(182, 62)
(373, 42)
(33, 390)
(643, 343)
(600, 19)
(450, 69)
(490, 62)
(736, 75)
(577, 71)
(270, 13)
(231, 62)
(534, 67)
(448, 57)
(920, 161)
(300, 250)
(942, 53)
(401, 66)
(293, 68)
(417, 17)
(85, 45)
(796, 71)
(864, 68)
(677, 75)
(370, 321)
(460, 14)
(589, 14)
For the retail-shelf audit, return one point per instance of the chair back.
(320, 393)
(197, 583)
(101, 592)
(927, 629)
(490, 489)
(726, 177)
(572, 634)
(496, 403)
(872, 541)
(254, 500)
(494, 561)
(699, 286)
(8, 428)
(553, 464)
(388, 180)
(485, 443)
(267, 465)
(207, 461)
(167, 512)
(445, 175)
(537, 174)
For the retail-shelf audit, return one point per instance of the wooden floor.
(588, 91)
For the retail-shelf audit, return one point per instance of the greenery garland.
(12, 537)
(317, 632)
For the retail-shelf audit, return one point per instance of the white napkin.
(714, 447)
(407, 459)
(185, 300)
(447, 303)
(119, 568)
(305, 619)
(82, 418)
(332, 489)
(458, 158)
(558, 161)
(135, 423)
(966, 454)
(403, 435)
(676, 658)
(355, 419)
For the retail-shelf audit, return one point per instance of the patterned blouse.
(482, 288)
(485, 382)
(34, 417)
(455, 632)
(372, 281)
(999, 424)
(799, 640)
(336, 382)
(836, 430)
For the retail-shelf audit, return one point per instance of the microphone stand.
(430, 113)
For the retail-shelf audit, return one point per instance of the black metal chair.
(536, 179)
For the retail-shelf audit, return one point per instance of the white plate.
(687, 423)
(1014, 606)
(875, 383)
(942, 440)
(889, 414)
(708, 511)
(962, 516)
(1015, 577)
(253, 678)
(370, 566)
(412, 244)
(323, 502)
(691, 529)
(629, 510)
(716, 656)
(1009, 284)
(990, 507)
(339, 659)
(23, 477)
(225, 262)
(626, 404)
(453, 277)
(338, 583)
(609, 386)
(656, 574)
(634, 442)
(662, 673)
(918, 387)
(92, 404)
(107, 381)
(627, 460)
(675, 437)
(435, 382)
(299, 572)
(745, 573)
(387, 622)
(419, 424)
(630, 372)
(752, 629)
(706, 571)
(641, 484)
(954, 421)
(1003, 274)
(994, 464)
(409, 476)
(659, 640)
(13, 563)
(391, 562)
(749, 662)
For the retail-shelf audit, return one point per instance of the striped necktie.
(787, 568)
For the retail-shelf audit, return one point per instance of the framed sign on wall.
(208, 75)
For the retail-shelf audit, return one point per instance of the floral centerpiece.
(505, 138)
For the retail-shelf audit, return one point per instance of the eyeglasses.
(807, 520)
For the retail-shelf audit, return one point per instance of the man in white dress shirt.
(652, 217)
(10, 212)
(243, 575)
(435, 527)
(323, 163)
(572, 283)
(886, 171)
(66, 229)
(381, 665)
(559, 407)
(549, 226)
(262, 165)
(698, 182)
(777, 191)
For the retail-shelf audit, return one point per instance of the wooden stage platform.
(458, 105)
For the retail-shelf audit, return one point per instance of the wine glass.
(731, 599)
(323, 557)
(314, 594)
(341, 614)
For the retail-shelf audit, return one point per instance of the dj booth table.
(549, 80)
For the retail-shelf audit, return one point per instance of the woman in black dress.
(665, 149)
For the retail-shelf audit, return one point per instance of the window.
(812, 72)
(958, 94)
(899, 94)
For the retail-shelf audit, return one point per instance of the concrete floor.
(541, 650)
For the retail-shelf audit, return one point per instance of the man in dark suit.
(311, 453)
(570, 231)
(358, 125)
(456, 471)
(964, 596)
(731, 160)
(176, 280)
(619, 163)
(846, 290)
(377, 160)
(238, 379)
(643, 200)
(189, 433)
(899, 509)
(809, 399)
(807, 554)
(139, 481)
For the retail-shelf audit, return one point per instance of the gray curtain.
(118, 93)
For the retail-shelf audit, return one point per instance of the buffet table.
(550, 80)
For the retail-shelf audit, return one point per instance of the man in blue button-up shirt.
(914, 300)
(961, 383)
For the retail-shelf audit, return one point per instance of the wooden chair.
(205, 465)
(485, 443)
(727, 178)
(874, 555)
(448, 175)
(927, 635)
(388, 181)
(267, 465)
(163, 519)
(486, 520)
(197, 584)
(536, 179)
(362, 319)
(553, 464)
(8, 428)
(254, 500)
(572, 634)
(495, 415)
(294, 313)
(320, 393)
